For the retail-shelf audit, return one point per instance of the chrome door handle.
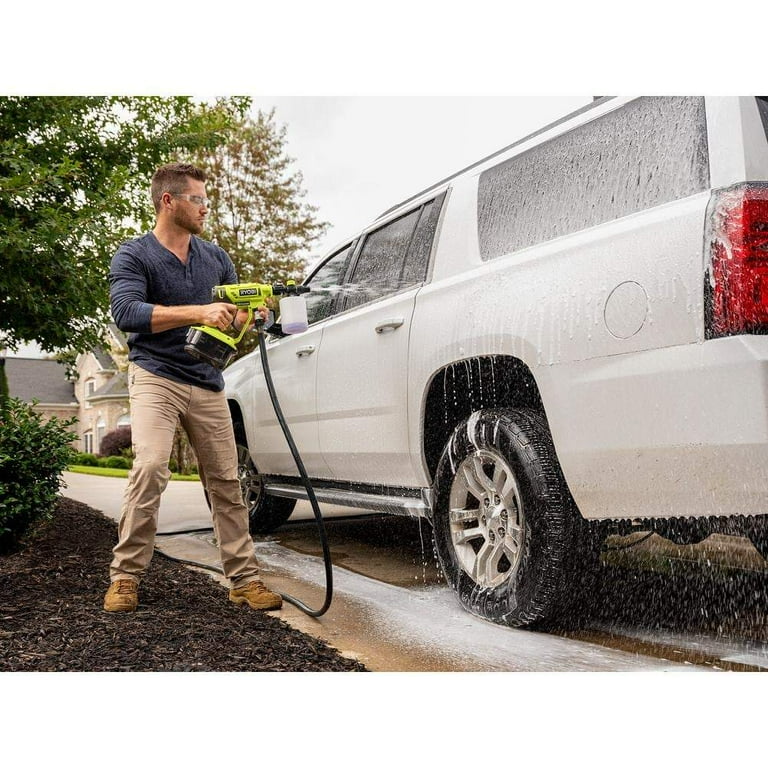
(305, 351)
(389, 325)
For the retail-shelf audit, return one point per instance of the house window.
(90, 388)
(124, 420)
(88, 442)
(100, 429)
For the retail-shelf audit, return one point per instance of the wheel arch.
(457, 390)
(238, 422)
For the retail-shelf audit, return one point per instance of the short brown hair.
(173, 178)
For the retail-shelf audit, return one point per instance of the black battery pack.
(205, 347)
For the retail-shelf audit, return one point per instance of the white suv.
(567, 337)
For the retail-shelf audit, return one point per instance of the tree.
(258, 215)
(183, 459)
(74, 180)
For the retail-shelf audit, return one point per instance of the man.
(160, 284)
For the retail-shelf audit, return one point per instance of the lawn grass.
(113, 472)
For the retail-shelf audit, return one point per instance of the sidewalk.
(182, 507)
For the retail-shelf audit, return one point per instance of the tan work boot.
(122, 595)
(257, 596)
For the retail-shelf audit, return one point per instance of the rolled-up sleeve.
(128, 290)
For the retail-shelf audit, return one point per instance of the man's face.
(188, 214)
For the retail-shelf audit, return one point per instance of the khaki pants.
(157, 405)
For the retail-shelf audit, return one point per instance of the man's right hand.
(218, 315)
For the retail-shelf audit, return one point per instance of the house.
(45, 381)
(96, 393)
(101, 389)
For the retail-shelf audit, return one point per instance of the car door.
(293, 366)
(362, 377)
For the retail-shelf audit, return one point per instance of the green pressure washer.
(218, 348)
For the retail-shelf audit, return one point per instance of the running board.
(393, 505)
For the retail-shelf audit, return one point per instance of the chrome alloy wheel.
(486, 518)
(251, 484)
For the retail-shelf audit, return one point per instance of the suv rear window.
(650, 151)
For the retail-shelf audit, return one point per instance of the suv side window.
(394, 256)
(647, 152)
(417, 259)
(326, 284)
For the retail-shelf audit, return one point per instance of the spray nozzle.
(289, 288)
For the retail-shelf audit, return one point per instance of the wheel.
(506, 531)
(265, 513)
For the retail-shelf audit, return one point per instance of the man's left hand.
(242, 317)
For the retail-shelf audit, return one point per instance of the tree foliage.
(74, 181)
(258, 213)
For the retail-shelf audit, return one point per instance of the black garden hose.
(307, 484)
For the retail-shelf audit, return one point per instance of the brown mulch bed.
(51, 616)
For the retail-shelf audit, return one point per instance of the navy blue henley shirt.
(144, 273)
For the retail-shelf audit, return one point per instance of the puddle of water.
(390, 549)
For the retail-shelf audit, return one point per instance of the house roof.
(103, 355)
(104, 358)
(118, 336)
(43, 380)
(117, 386)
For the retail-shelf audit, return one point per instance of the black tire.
(265, 512)
(509, 542)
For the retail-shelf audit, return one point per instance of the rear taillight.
(738, 269)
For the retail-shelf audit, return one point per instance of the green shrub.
(115, 462)
(117, 441)
(85, 460)
(33, 454)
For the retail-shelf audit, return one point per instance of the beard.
(188, 222)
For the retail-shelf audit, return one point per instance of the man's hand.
(242, 317)
(218, 315)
